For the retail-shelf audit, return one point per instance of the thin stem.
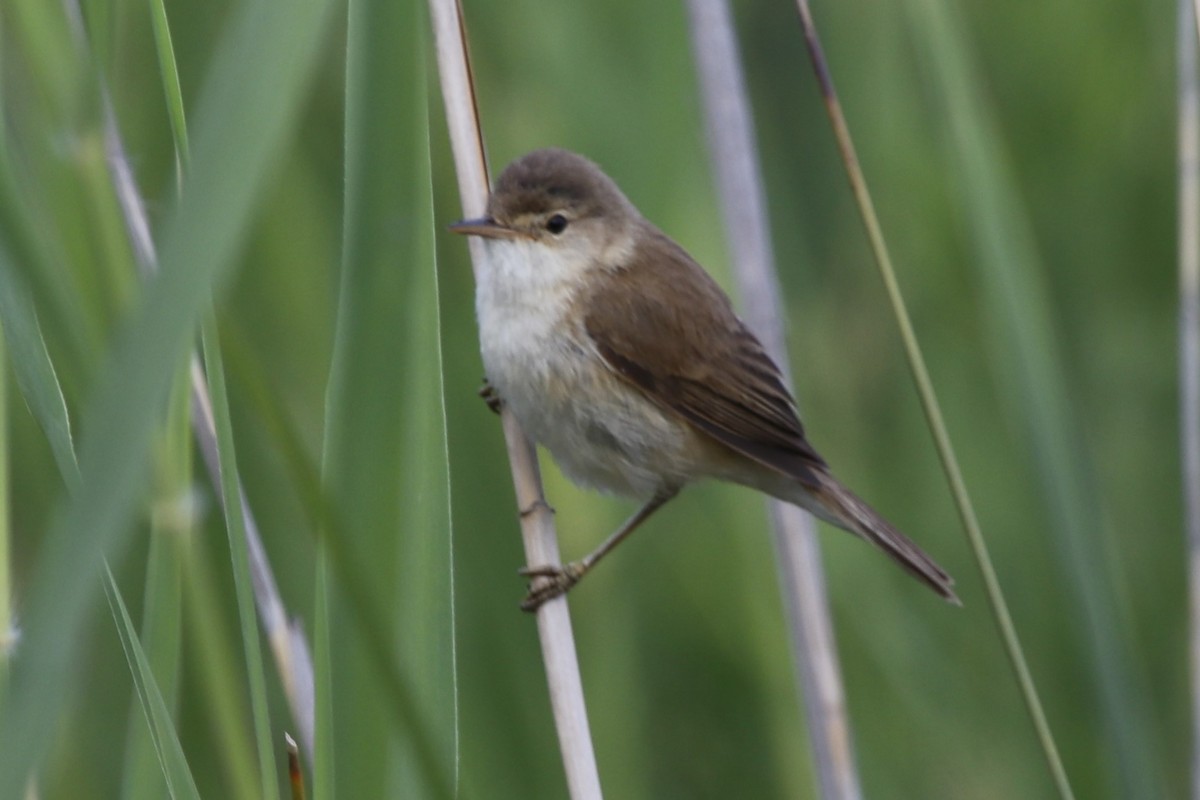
(1189, 338)
(735, 159)
(289, 646)
(293, 660)
(537, 527)
(929, 404)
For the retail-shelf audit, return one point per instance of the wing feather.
(663, 325)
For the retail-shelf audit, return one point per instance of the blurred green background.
(681, 636)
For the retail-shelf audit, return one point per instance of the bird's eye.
(556, 224)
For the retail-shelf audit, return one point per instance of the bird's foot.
(491, 396)
(549, 581)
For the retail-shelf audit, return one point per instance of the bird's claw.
(491, 396)
(548, 582)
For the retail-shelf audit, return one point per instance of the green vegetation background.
(681, 636)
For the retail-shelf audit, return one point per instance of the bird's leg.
(550, 581)
(491, 396)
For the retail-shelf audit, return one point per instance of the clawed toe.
(491, 396)
(549, 581)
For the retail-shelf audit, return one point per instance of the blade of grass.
(34, 371)
(1189, 338)
(734, 155)
(243, 115)
(287, 639)
(235, 526)
(98, 18)
(175, 768)
(210, 646)
(537, 522)
(162, 598)
(1033, 372)
(44, 396)
(8, 625)
(323, 753)
(100, 270)
(169, 73)
(932, 409)
(171, 513)
(24, 262)
(286, 636)
(366, 609)
(47, 399)
(385, 455)
(288, 643)
(57, 67)
(112, 280)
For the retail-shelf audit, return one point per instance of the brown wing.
(665, 326)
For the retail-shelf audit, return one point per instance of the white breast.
(602, 433)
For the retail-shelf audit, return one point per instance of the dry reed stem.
(537, 521)
(295, 769)
(734, 153)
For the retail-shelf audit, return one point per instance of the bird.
(618, 353)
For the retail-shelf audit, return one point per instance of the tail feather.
(843, 508)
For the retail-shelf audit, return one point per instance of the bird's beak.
(485, 227)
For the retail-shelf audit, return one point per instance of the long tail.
(840, 506)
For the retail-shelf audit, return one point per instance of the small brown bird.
(617, 352)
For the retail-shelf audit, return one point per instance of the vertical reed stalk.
(537, 522)
(734, 153)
